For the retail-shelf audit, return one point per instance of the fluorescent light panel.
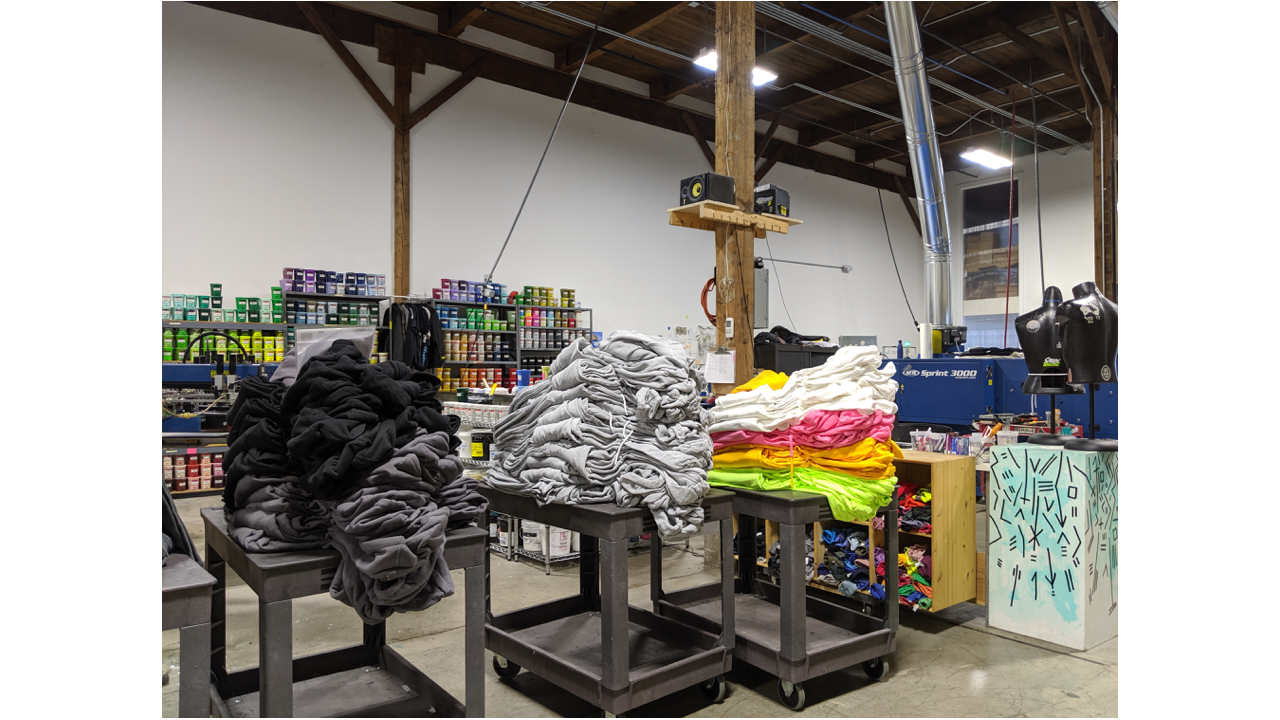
(986, 158)
(708, 59)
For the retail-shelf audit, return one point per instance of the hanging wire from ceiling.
(488, 279)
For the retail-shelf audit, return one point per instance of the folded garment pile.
(623, 423)
(846, 561)
(824, 429)
(356, 457)
(915, 570)
(915, 510)
(773, 568)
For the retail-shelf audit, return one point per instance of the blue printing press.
(956, 391)
(197, 375)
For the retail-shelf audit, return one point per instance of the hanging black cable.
(779, 278)
(1035, 150)
(489, 278)
(895, 259)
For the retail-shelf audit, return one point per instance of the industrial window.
(990, 264)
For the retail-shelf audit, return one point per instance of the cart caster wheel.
(791, 694)
(504, 667)
(876, 668)
(714, 689)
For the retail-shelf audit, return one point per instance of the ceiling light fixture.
(986, 159)
(708, 59)
(760, 76)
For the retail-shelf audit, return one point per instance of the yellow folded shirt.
(869, 458)
(773, 379)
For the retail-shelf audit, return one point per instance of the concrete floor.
(949, 664)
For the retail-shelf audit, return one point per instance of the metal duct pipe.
(1110, 12)
(926, 161)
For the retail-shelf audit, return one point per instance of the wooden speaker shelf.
(706, 215)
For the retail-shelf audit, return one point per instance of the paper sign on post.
(720, 367)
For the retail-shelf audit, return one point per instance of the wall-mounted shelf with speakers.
(707, 214)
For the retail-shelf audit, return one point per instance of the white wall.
(1066, 215)
(274, 156)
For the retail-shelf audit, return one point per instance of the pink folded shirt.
(817, 429)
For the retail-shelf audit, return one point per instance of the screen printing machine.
(196, 395)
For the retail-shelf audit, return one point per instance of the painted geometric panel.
(1053, 528)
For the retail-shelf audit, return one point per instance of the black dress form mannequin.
(1038, 334)
(1090, 328)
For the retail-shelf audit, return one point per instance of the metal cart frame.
(186, 602)
(594, 644)
(788, 629)
(391, 686)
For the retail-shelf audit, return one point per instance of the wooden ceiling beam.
(666, 88)
(1064, 31)
(362, 76)
(850, 12)
(864, 71)
(453, 18)
(1028, 44)
(768, 135)
(696, 131)
(639, 18)
(352, 25)
(865, 120)
(777, 156)
(440, 98)
(1099, 55)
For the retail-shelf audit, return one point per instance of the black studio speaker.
(773, 200)
(707, 186)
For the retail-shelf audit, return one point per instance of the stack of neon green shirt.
(852, 499)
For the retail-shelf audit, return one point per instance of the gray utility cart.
(594, 644)
(792, 631)
(185, 604)
(366, 680)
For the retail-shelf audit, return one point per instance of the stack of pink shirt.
(817, 429)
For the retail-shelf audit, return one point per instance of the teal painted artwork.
(1052, 534)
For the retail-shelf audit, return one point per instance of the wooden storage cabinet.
(951, 543)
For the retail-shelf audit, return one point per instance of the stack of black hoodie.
(357, 457)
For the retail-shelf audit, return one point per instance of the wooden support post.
(403, 85)
(1104, 187)
(735, 157)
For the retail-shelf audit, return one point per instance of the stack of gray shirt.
(622, 424)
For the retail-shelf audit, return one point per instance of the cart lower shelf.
(576, 640)
(757, 620)
(562, 642)
(361, 689)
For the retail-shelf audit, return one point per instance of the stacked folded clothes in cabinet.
(356, 457)
(915, 510)
(824, 429)
(773, 568)
(846, 561)
(622, 423)
(915, 573)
